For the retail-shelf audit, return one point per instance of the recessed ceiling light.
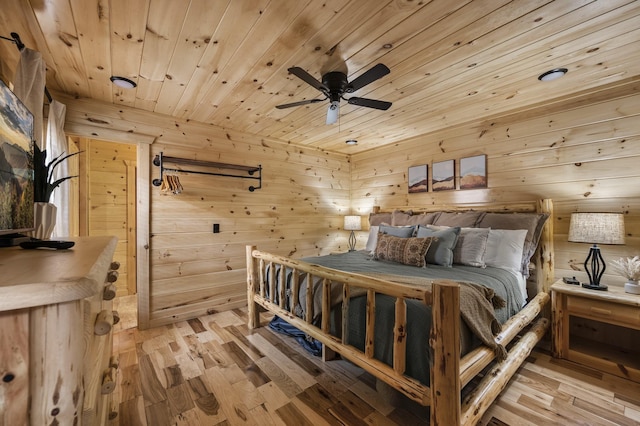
(123, 82)
(552, 74)
(351, 142)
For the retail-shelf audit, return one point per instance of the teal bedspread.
(502, 282)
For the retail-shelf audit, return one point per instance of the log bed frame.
(449, 371)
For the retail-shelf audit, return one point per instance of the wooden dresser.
(56, 334)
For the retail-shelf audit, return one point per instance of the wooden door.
(107, 201)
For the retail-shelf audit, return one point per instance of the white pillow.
(504, 249)
(372, 241)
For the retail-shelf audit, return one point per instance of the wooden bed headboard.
(542, 276)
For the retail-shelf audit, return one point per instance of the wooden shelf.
(603, 354)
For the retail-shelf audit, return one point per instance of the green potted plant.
(43, 185)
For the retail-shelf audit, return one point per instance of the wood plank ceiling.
(225, 61)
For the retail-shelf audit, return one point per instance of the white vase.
(44, 218)
(632, 287)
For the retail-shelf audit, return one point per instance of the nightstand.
(599, 329)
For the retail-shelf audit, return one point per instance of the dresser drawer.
(602, 310)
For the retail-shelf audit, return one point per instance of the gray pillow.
(400, 218)
(471, 247)
(379, 218)
(441, 248)
(397, 231)
(463, 219)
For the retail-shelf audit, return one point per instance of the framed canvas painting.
(418, 181)
(443, 176)
(473, 172)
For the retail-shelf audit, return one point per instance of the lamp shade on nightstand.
(352, 223)
(596, 228)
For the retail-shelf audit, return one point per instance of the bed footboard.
(449, 372)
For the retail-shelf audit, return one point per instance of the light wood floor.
(212, 371)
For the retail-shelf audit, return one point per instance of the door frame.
(143, 181)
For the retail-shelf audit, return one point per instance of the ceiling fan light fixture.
(333, 112)
(335, 84)
(122, 82)
(553, 74)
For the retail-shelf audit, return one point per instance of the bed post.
(544, 260)
(445, 357)
(252, 287)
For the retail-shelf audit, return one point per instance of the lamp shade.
(597, 228)
(352, 223)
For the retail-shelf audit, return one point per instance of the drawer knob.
(104, 322)
(114, 265)
(112, 276)
(109, 292)
(116, 317)
(108, 381)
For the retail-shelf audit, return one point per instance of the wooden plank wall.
(584, 158)
(193, 271)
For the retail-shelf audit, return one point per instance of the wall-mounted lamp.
(122, 82)
(352, 223)
(552, 74)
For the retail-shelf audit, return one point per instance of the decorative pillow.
(441, 250)
(504, 249)
(397, 231)
(467, 219)
(471, 247)
(532, 222)
(408, 251)
(379, 218)
(400, 218)
(372, 241)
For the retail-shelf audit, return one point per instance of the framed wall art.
(443, 176)
(473, 172)
(418, 181)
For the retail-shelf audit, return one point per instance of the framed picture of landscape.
(418, 181)
(473, 172)
(443, 176)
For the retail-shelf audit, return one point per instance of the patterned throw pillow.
(408, 251)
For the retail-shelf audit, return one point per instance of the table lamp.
(352, 223)
(596, 228)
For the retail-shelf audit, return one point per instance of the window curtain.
(56, 144)
(28, 85)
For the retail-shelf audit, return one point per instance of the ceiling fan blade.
(307, 78)
(299, 103)
(333, 112)
(369, 76)
(370, 103)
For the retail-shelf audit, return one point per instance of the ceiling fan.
(334, 85)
